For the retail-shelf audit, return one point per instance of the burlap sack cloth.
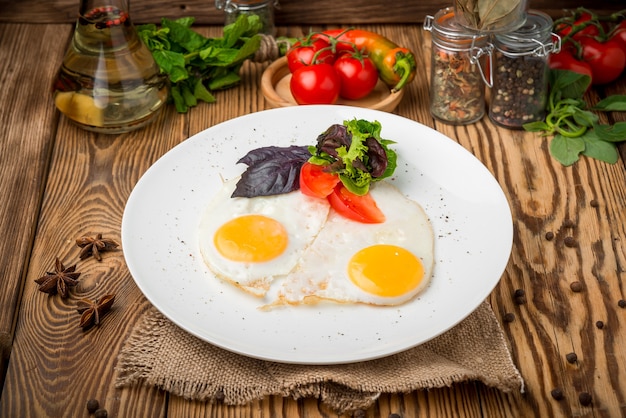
(160, 353)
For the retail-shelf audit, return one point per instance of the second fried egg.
(378, 264)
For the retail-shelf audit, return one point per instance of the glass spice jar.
(262, 8)
(457, 79)
(521, 68)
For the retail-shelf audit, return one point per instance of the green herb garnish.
(574, 127)
(197, 65)
(356, 152)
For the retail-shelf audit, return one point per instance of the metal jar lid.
(534, 37)
(244, 5)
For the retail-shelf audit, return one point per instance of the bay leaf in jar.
(489, 14)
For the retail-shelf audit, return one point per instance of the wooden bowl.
(275, 88)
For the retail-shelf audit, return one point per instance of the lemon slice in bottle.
(80, 108)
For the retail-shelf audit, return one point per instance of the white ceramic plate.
(468, 210)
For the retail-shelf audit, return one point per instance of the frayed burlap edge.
(161, 354)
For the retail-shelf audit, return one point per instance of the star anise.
(93, 311)
(95, 246)
(60, 280)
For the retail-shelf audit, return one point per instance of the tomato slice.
(358, 208)
(315, 182)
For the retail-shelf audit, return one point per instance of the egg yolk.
(385, 270)
(251, 239)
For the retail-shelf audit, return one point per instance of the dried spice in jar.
(457, 81)
(520, 72)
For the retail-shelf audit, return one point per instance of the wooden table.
(58, 182)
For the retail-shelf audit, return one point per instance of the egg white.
(321, 274)
(300, 215)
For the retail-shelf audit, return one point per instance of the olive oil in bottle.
(108, 81)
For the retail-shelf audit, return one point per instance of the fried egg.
(378, 264)
(252, 241)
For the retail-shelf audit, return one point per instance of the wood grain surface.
(289, 12)
(59, 182)
(24, 153)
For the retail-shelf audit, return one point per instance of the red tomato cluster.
(316, 182)
(591, 44)
(322, 70)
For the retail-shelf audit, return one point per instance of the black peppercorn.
(359, 413)
(101, 413)
(394, 415)
(621, 303)
(519, 296)
(584, 398)
(571, 358)
(599, 324)
(570, 242)
(509, 317)
(92, 405)
(557, 394)
(576, 286)
(549, 235)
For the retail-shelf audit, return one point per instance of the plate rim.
(250, 353)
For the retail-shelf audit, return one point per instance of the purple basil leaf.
(334, 137)
(271, 171)
(377, 157)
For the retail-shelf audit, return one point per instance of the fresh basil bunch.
(575, 128)
(197, 65)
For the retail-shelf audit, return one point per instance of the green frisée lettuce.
(356, 152)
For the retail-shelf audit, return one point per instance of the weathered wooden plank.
(91, 176)
(580, 206)
(90, 179)
(290, 12)
(25, 145)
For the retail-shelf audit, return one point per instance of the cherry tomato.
(606, 59)
(304, 53)
(316, 182)
(587, 24)
(564, 60)
(358, 75)
(619, 35)
(315, 84)
(358, 208)
(339, 44)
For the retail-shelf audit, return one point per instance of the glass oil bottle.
(108, 81)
